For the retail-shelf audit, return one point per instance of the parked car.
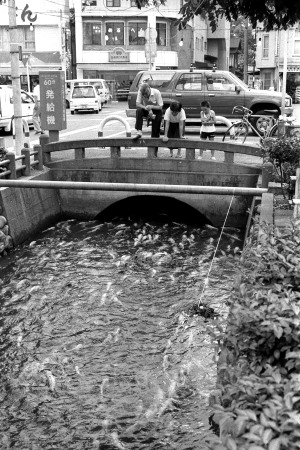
(99, 83)
(221, 88)
(7, 107)
(85, 98)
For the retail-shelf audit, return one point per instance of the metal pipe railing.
(164, 188)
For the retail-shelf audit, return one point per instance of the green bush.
(283, 154)
(260, 399)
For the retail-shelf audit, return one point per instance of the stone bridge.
(144, 172)
(104, 176)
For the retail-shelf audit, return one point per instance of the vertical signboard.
(53, 100)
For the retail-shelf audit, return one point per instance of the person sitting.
(149, 104)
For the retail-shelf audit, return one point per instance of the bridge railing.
(13, 167)
(117, 145)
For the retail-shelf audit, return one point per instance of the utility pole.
(63, 44)
(284, 72)
(15, 76)
(246, 52)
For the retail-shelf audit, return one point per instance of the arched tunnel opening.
(155, 208)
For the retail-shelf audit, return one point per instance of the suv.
(221, 88)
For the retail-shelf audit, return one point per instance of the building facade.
(42, 34)
(115, 39)
(270, 54)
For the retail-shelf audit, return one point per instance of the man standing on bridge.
(149, 104)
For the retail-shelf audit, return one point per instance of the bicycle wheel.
(274, 131)
(237, 132)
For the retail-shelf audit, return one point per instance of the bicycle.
(267, 126)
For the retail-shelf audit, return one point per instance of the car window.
(190, 82)
(157, 79)
(86, 92)
(215, 82)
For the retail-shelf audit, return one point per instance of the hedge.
(260, 374)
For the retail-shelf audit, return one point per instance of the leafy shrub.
(260, 399)
(283, 154)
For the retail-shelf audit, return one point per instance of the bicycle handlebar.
(242, 109)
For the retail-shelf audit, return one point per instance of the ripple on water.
(97, 350)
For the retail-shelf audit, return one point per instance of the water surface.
(98, 350)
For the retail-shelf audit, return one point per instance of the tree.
(239, 28)
(272, 13)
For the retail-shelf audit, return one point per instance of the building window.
(29, 41)
(133, 3)
(267, 77)
(265, 49)
(137, 31)
(85, 3)
(113, 3)
(114, 33)
(161, 29)
(91, 34)
(297, 43)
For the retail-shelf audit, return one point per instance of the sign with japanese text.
(118, 54)
(53, 100)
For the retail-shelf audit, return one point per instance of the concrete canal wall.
(28, 211)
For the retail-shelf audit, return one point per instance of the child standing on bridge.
(207, 130)
(174, 124)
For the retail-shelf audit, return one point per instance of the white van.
(85, 98)
(7, 107)
(99, 83)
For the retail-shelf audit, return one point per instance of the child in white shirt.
(207, 130)
(174, 124)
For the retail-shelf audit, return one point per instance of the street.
(86, 125)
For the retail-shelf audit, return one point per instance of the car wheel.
(263, 123)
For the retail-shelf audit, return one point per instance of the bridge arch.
(153, 207)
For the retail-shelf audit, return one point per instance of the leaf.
(267, 436)
(278, 331)
(274, 444)
(239, 425)
(230, 443)
(251, 414)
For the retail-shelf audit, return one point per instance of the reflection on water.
(97, 350)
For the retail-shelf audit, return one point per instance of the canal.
(100, 344)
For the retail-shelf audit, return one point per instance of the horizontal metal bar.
(169, 188)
